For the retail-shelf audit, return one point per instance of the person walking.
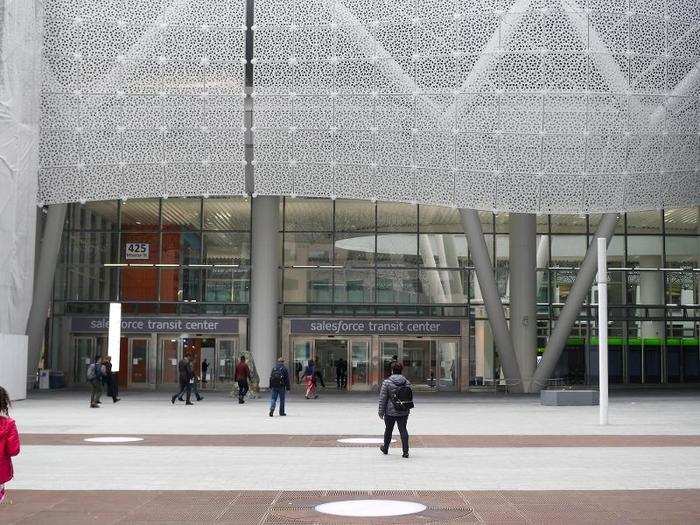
(242, 375)
(279, 386)
(395, 403)
(310, 380)
(341, 373)
(185, 378)
(194, 381)
(95, 373)
(110, 381)
(205, 369)
(9, 442)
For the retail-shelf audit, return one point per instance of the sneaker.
(172, 399)
(272, 413)
(94, 406)
(118, 399)
(404, 455)
(282, 414)
(189, 403)
(384, 450)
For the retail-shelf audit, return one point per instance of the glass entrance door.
(447, 364)
(84, 355)
(359, 365)
(301, 353)
(419, 361)
(226, 357)
(328, 352)
(169, 357)
(426, 362)
(138, 360)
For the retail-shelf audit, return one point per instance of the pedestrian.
(279, 386)
(205, 369)
(242, 376)
(95, 372)
(309, 376)
(110, 381)
(185, 380)
(9, 442)
(341, 373)
(194, 381)
(395, 403)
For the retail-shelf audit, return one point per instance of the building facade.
(363, 282)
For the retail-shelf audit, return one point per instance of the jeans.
(96, 391)
(401, 422)
(242, 388)
(277, 392)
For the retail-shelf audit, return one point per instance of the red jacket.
(9, 447)
(242, 371)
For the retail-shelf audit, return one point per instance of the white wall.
(13, 365)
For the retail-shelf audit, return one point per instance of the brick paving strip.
(431, 441)
(285, 508)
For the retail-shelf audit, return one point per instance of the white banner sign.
(137, 250)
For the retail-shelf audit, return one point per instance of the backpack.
(92, 372)
(277, 378)
(402, 398)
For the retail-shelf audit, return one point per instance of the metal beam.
(572, 308)
(43, 284)
(489, 290)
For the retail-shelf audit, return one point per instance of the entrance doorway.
(426, 362)
(343, 363)
(221, 354)
(138, 360)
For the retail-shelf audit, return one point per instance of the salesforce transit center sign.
(375, 327)
(132, 325)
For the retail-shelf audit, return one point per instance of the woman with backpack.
(9, 442)
(395, 403)
(310, 380)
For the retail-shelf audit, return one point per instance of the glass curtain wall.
(156, 256)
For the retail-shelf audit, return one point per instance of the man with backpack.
(95, 372)
(395, 403)
(279, 386)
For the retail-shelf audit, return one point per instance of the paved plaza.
(474, 458)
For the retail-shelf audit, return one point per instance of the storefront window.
(303, 249)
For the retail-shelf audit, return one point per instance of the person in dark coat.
(110, 381)
(389, 413)
(279, 386)
(205, 369)
(185, 377)
(341, 373)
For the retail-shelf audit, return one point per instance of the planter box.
(568, 397)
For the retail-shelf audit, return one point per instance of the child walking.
(9, 442)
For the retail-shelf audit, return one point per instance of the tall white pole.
(603, 330)
(115, 334)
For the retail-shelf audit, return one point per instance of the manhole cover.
(364, 441)
(370, 508)
(113, 439)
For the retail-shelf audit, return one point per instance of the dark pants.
(401, 422)
(277, 392)
(110, 382)
(242, 388)
(341, 380)
(185, 388)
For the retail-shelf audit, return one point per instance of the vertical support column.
(523, 292)
(489, 290)
(43, 285)
(264, 296)
(651, 291)
(602, 330)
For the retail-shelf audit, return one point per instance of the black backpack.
(402, 398)
(277, 378)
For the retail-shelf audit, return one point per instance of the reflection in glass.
(308, 214)
(182, 212)
(354, 215)
(228, 213)
(301, 249)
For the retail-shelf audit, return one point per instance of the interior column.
(523, 292)
(264, 287)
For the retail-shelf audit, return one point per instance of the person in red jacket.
(9, 441)
(242, 376)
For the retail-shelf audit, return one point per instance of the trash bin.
(57, 379)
